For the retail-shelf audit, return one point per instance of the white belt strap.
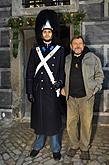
(43, 61)
(46, 58)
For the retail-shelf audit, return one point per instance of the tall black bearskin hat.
(47, 19)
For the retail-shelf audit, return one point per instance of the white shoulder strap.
(45, 65)
(46, 58)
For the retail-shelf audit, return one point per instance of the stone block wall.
(93, 9)
(95, 30)
(5, 67)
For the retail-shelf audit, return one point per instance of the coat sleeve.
(62, 65)
(30, 72)
(99, 75)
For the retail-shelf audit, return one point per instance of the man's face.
(47, 35)
(77, 46)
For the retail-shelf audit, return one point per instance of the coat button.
(41, 72)
(42, 80)
(54, 57)
(52, 64)
(42, 88)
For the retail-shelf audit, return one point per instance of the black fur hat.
(42, 18)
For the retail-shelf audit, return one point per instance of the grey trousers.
(79, 109)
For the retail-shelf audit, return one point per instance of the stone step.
(101, 118)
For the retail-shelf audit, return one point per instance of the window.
(40, 3)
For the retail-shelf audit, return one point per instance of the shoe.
(85, 155)
(34, 153)
(56, 155)
(71, 152)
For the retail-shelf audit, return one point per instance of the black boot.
(56, 155)
(34, 153)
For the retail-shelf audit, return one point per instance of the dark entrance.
(65, 38)
(29, 40)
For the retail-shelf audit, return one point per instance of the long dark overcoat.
(45, 111)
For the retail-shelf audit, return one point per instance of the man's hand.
(30, 98)
(63, 92)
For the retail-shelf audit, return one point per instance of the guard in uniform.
(44, 80)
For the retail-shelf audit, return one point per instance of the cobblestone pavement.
(16, 139)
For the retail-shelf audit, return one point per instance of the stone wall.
(95, 30)
(5, 67)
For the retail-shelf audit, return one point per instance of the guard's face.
(47, 35)
(77, 46)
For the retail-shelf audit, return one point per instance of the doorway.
(29, 42)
